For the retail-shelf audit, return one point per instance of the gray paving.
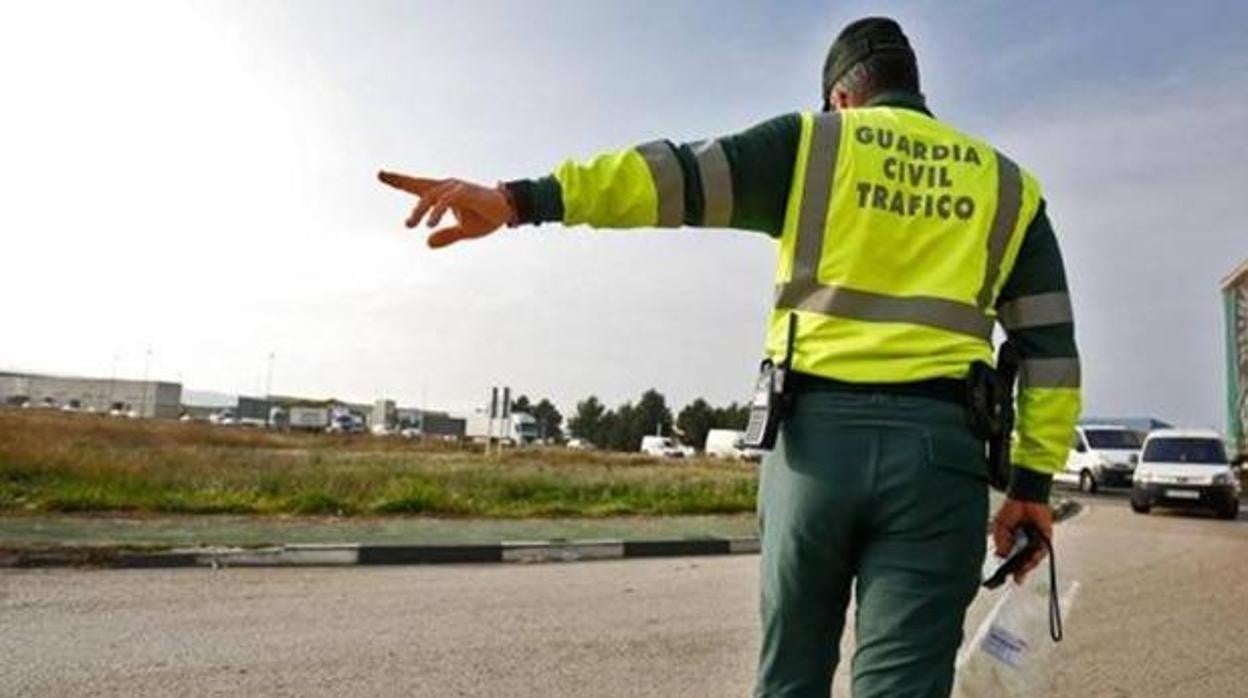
(1163, 611)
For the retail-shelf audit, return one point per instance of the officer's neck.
(902, 99)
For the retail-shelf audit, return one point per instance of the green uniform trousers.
(887, 494)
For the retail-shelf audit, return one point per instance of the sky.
(189, 187)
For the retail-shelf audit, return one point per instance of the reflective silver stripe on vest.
(1004, 220)
(716, 184)
(1036, 311)
(874, 307)
(825, 143)
(669, 182)
(1049, 373)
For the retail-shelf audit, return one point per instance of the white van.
(724, 443)
(1101, 456)
(727, 443)
(1186, 469)
(663, 446)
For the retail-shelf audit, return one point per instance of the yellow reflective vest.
(899, 234)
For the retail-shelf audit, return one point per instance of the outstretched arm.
(739, 181)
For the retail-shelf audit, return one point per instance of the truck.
(310, 418)
(519, 429)
(1235, 309)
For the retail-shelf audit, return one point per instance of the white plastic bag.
(1011, 652)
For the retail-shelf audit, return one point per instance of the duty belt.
(951, 390)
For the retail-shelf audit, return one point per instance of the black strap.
(951, 390)
(1055, 609)
(790, 343)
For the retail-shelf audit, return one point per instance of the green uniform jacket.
(616, 190)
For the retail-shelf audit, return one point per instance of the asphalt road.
(1163, 611)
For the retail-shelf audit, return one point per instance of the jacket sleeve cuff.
(1029, 485)
(537, 200)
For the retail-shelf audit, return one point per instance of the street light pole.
(268, 378)
(112, 379)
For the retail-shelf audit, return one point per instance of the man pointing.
(901, 241)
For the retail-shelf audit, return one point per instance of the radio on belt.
(769, 399)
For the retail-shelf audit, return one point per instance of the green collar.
(900, 99)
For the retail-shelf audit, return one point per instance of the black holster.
(990, 410)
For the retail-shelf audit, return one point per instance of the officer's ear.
(838, 99)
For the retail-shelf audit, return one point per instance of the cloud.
(1145, 191)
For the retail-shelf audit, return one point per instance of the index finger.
(412, 185)
(1002, 539)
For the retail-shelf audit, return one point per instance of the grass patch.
(81, 463)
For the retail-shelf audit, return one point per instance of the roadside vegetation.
(54, 462)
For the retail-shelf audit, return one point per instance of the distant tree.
(621, 429)
(587, 423)
(698, 418)
(733, 416)
(652, 417)
(549, 420)
(695, 421)
(621, 426)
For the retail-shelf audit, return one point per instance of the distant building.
(1235, 313)
(255, 410)
(430, 423)
(144, 398)
(443, 425)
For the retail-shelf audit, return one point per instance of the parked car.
(579, 445)
(223, 418)
(1101, 456)
(1186, 469)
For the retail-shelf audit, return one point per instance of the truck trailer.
(308, 418)
(1235, 308)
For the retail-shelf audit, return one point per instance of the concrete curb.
(346, 554)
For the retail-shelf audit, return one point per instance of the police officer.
(901, 241)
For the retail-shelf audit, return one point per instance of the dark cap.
(858, 41)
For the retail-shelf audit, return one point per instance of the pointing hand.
(479, 210)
